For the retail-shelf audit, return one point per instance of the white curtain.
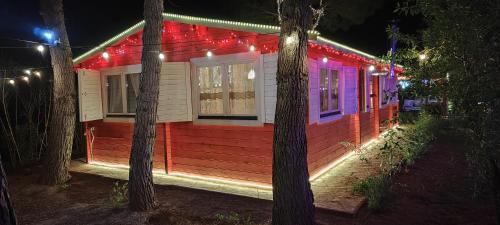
(241, 89)
(211, 91)
(115, 104)
(132, 91)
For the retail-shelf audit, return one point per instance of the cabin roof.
(217, 23)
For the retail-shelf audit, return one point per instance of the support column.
(168, 147)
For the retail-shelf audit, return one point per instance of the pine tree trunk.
(141, 190)
(62, 120)
(292, 195)
(7, 214)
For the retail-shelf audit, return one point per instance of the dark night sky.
(90, 22)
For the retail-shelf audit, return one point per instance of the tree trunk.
(7, 214)
(292, 195)
(62, 120)
(141, 190)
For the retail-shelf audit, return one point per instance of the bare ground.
(433, 191)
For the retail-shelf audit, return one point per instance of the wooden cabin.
(217, 99)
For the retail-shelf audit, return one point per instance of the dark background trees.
(461, 42)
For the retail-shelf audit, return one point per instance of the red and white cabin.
(218, 95)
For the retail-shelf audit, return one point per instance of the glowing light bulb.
(252, 48)
(161, 56)
(422, 57)
(40, 48)
(25, 78)
(325, 60)
(209, 54)
(105, 55)
(251, 74)
(38, 74)
(12, 82)
(27, 72)
(371, 68)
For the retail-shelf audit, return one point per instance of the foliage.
(462, 44)
(375, 188)
(233, 218)
(119, 194)
(405, 118)
(401, 147)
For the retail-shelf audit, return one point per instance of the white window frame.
(223, 61)
(122, 71)
(334, 114)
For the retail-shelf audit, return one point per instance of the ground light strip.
(347, 156)
(187, 175)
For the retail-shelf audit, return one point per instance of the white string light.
(325, 60)
(26, 78)
(38, 74)
(27, 72)
(371, 68)
(209, 54)
(252, 48)
(105, 55)
(12, 82)
(161, 56)
(40, 48)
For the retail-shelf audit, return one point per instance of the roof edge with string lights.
(225, 24)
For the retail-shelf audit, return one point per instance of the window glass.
(323, 90)
(132, 91)
(335, 90)
(241, 89)
(384, 95)
(115, 104)
(211, 91)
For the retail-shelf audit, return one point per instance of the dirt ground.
(433, 191)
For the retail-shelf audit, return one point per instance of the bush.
(375, 189)
(233, 218)
(402, 146)
(407, 117)
(119, 194)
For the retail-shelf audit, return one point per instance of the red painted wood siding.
(387, 113)
(231, 152)
(112, 143)
(366, 127)
(324, 141)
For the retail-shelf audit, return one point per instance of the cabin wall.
(112, 143)
(231, 152)
(324, 141)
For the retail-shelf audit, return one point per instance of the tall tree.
(141, 190)
(292, 195)
(7, 214)
(62, 121)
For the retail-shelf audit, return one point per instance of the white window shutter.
(270, 88)
(350, 90)
(313, 91)
(174, 100)
(89, 95)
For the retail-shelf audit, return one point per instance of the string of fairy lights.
(124, 43)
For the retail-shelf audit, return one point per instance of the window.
(227, 91)
(384, 94)
(329, 92)
(122, 91)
